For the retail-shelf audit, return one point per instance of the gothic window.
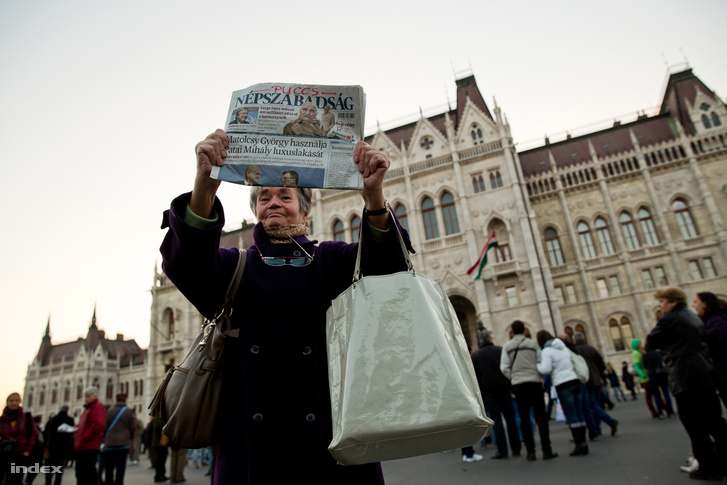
(54, 394)
(141, 386)
(648, 228)
(478, 183)
(338, 232)
(705, 122)
(168, 319)
(476, 133)
(586, 240)
(355, 224)
(67, 392)
(628, 230)
(604, 236)
(684, 219)
(427, 142)
(429, 216)
(109, 390)
(79, 390)
(42, 396)
(310, 226)
(495, 179)
(29, 398)
(715, 119)
(400, 212)
(449, 213)
(552, 244)
(136, 388)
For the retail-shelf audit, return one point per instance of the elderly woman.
(555, 360)
(17, 438)
(276, 414)
(680, 336)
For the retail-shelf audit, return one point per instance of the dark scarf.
(9, 416)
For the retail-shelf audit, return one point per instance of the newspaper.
(294, 135)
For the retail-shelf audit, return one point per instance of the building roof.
(466, 89)
(681, 88)
(605, 143)
(125, 350)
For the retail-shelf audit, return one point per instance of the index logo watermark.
(35, 469)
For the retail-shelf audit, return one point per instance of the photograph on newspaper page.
(294, 135)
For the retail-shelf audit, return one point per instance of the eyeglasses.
(297, 261)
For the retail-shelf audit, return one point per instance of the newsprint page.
(294, 135)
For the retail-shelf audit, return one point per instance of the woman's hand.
(210, 152)
(373, 164)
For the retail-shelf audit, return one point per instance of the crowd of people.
(684, 357)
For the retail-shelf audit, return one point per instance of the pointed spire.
(378, 126)
(421, 113)
(93, 318)
(47, 329)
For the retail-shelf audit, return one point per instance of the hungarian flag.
(482, 261)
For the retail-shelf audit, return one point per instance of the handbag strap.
(235, 281)
(409, 266)
(116, 418)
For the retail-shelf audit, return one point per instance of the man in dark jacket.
(680, 336)
(60, 444)
(120, 426)
(496, 394)
(596, 368)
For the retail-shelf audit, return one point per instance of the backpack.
(580, 366)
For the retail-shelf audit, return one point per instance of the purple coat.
(715, 332)
(277, 411)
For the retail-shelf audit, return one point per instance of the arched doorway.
(467, 316)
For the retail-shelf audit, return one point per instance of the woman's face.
(278, 206)
(13, 402)
(698, 305)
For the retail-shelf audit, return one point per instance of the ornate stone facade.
(59, 373)
(587, 227)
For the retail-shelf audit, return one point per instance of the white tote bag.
(400, 374)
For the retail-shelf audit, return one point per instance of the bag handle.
(409, 266)
(227, 307)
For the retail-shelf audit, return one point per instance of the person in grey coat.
(519, 360)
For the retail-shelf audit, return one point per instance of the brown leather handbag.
(189, 397)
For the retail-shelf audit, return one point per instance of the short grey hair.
(484, 337)
(305, 196)
(579, 338)
(91, 390)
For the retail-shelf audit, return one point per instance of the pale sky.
(101, 104)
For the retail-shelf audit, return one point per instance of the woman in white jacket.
(555, 360)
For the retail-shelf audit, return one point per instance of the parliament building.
(588, 226)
